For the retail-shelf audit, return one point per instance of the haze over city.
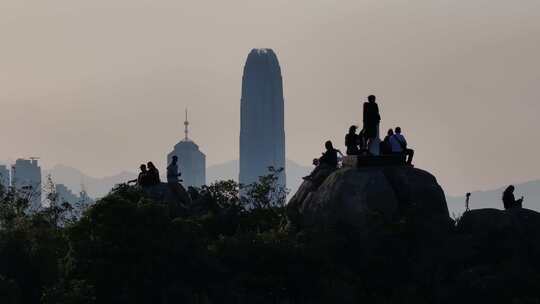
(102, 85)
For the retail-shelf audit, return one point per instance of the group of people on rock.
(367, 141)
(149, 174)
(394, 143)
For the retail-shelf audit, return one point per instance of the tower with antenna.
(191, 160)
(186, 125)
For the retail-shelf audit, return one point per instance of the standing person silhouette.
(172, 171)
(371, 120)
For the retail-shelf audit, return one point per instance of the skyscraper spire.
(186, 124)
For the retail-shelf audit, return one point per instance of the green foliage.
(228, 246)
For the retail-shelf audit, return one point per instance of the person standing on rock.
(509, 201)
(172, 171)
(372, 119)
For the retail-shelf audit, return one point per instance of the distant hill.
(492, 198)
(95, 187)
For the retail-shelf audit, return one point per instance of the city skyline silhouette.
(452, 77)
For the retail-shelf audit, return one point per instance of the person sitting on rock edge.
(509, 201)
(172, 171)
(351, 141)
(386, 146)
(330, 156)
(153, 174)
(399, 145)
(327, 163)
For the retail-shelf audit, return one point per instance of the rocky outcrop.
(174, 195)
(355, 196)
(505, 232)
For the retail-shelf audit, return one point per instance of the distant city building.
(191, 161)
(4, 177)
(78, 202)
(262, 130)
(26, 179)
(64, 194)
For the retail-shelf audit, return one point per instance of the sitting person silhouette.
(327, 163)
(352, 140)
(153, 174)
(399, 145)
(362, 142)
(330, 156)
(142, 178)
(172, 171)
(509, 201)
(386, 146)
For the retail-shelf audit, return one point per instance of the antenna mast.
(186, 124)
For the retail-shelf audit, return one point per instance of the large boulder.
(503, 232)
(355, 196)
(497, 254)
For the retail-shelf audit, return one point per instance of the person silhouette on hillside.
(153, 174)
(399, 145)
(172, 171)
(327, 163)
(351, 141)
(386, 146)
(330, 156)
(371, 120)
(509, 201)
(142, 179)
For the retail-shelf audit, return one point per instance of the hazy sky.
(102, 85)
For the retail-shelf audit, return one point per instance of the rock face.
(356, 195)
(496, 254)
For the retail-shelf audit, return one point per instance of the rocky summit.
(354, 196)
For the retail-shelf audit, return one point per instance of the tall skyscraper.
(262, 131)
(191, 161)
(26, 179)
(4, 177)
